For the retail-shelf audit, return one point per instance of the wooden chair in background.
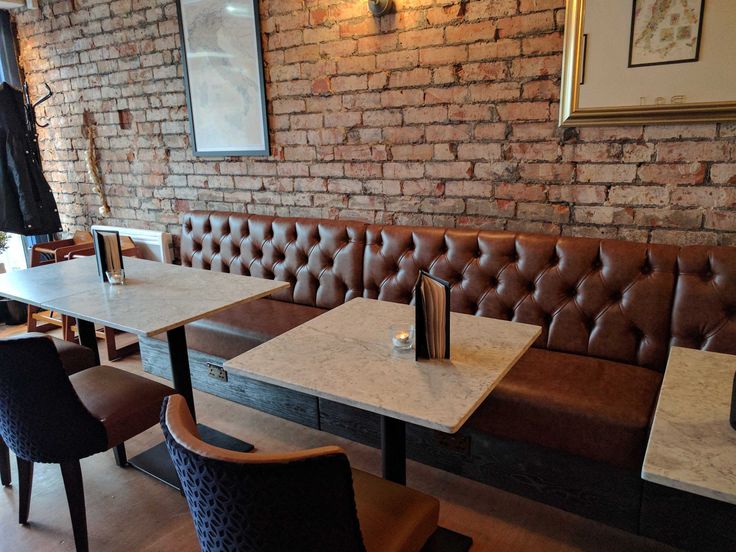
(80, 245)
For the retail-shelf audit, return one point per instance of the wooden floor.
(128, 511)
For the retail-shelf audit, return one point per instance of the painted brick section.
(441, 114)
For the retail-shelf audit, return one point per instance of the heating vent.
(155, 246)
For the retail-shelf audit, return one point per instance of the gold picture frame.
(671, 107)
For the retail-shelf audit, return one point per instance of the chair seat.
(585, 406)
(393, 518)
(74, 358)
(125, 403)
(240, 328)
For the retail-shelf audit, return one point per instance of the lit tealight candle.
(402, 339)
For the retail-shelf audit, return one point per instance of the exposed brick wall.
(443, 113)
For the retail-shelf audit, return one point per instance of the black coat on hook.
(27, 205)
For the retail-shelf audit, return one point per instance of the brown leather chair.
(47, 416)
(74, 358)
(306, 500)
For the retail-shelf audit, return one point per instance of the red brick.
(523, 111)
(685, 151)
(691, 173)
(526, 24)
(613, 173)
(470, 32)
(443, 56)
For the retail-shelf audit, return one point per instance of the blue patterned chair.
(74, 358)
(49, 417)
(302, 501)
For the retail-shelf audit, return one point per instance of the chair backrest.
(41, 416)
(251, 502)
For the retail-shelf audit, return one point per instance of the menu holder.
(432, 298)
(108, 251)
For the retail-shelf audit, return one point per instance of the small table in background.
(156, 298)
(689, 469)
(346, 356)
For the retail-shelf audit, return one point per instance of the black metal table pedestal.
(393, 464)
(156, 461)
(393, 449)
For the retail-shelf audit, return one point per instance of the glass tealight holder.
(116, 277)
(402, 336)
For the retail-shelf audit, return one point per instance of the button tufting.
(616, 296)
(531, 287)
(572, 292)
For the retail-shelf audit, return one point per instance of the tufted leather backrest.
(616, 300)
(704, 314)
(322, 259)
(608, 299)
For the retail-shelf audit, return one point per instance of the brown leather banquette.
(610, 310)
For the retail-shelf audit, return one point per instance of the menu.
(432, 298)
(108, 252)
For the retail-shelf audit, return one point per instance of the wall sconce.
(380, 7)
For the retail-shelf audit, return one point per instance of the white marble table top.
(692, 446)
(346, 355)
(155, 298)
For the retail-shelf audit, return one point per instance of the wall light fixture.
(380, 7)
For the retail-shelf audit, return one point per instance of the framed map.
(665, 31)
(628, 62)
(223, 76)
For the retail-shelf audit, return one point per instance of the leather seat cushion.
(74, 358)
(243, 327)
(125, 403)
(393, 518)
(585, 406)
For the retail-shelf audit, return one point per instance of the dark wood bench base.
(686, 520)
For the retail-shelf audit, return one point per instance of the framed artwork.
(656, 61)
(223, 75)
(663, 31)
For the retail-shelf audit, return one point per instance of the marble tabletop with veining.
(156, 297)
(692, 446)
(346, 355)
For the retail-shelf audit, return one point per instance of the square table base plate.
(157, 463)
(445, 540)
